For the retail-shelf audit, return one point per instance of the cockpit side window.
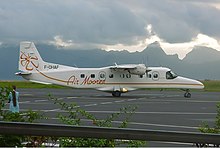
(170, 75)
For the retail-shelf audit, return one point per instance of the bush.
(27, 116)
(73, 116)
(205, 128)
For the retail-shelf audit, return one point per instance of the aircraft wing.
(125, 67)
(136, 69)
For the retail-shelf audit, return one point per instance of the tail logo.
(29, 61)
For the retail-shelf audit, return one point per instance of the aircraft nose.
(192, 84)
(200, 84)
(197, 84)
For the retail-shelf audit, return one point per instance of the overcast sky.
(178, 25)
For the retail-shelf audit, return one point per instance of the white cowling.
(139, 70)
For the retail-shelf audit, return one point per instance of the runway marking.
(162, 113)
(164, 125)
(40, 100)
(76, 107)
(106, 103)
(176, 143)
(159, 94)
(141, 98)
(60, 98)
(169, 96)
(25, 102)
(52, 110)
(186, 101)
(120, 101)
(195, 101)
(67, 98)
(204, 120)
(146, 124)
(165, 113)
(71, 97)
(132, 99)
(90, 105)
(26, 95)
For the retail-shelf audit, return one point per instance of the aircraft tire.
(116, 94)
(187, 95)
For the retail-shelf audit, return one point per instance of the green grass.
(210, 85)
(27, 84)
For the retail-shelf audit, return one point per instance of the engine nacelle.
(139, 70)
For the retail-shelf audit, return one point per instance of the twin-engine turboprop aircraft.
(115, 79)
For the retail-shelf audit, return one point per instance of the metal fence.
(57, 130)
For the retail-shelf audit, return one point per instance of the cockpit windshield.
(170, 75)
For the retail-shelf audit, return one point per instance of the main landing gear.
(187, 94)
(116, 94)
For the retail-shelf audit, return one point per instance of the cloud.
(179, 21)
(181, 49)
(59, 42)
(82, 21)
(99, 24)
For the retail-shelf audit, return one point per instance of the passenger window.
(140, 76)
(111, 76)
(92, 75)
(102, 75)
(82, 75)
(128, 75)
(155, 75)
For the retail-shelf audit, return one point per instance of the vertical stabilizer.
(29, 59)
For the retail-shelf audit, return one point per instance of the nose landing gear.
(187, 94)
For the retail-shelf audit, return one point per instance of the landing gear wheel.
(116, 94)
(187, 95)
(201, 145)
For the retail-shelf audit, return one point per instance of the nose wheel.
(187, 94)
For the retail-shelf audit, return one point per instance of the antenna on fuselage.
(75, 65)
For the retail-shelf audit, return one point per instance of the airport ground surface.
(166, 110)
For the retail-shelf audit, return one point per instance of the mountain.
(201, 55)
(8, 62)
(200, 63)
(157, 57)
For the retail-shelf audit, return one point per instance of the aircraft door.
(102, 75)
(155, 76)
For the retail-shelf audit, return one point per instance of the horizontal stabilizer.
(22, 73)
(40, 82)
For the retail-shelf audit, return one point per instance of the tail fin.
(29, 59)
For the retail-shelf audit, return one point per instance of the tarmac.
(156, 110)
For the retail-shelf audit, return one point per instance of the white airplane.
(115, 79)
